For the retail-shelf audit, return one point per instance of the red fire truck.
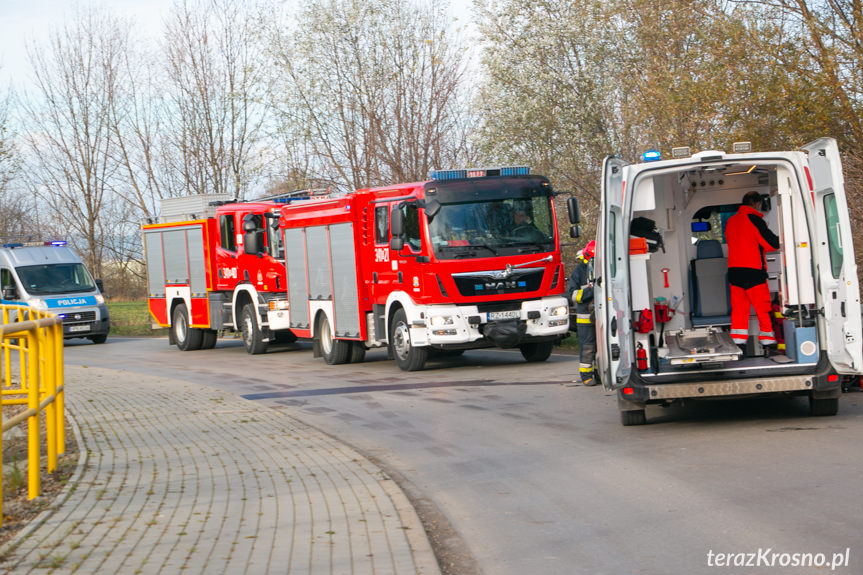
(468, 259)
(215, 265)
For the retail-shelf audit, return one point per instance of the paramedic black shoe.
(589, 382)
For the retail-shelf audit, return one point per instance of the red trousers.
(759, 298)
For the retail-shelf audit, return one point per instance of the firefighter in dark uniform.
(748, 239)
(581, 296)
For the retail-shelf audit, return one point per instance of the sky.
(23, 21)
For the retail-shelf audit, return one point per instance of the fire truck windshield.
(482, 223)
(52, 279)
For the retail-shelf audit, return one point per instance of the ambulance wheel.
(335, 351)
(208, 338)
(358, 352)
(187, 338)
(636, 417)
(408, 357)
(253, 340)
(101, 338)
(823, 405)
(538, 351)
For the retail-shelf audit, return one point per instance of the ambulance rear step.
(700, 345)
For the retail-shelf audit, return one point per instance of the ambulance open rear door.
(836, 270)
(614, 341)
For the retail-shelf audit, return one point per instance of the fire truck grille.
(491, 283)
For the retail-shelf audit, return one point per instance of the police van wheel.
(538, 351)
(635, 417)
(335, 351)
(407, 356)
(253, 340)
(187, 338)
(101, 338)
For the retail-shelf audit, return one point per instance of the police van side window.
(226, 228)
(382, 225)
(6, 279)
(834, 237)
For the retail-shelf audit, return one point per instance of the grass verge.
(132, 318)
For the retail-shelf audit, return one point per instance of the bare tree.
(373, 87)
(215, 91)
(70, 134)
(13, 205)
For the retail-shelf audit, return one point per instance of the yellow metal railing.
(31, 351)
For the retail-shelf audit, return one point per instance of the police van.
(663, 312)
(51, 277)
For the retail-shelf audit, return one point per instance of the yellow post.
(33, 420)
(58, 373)
(49, 389)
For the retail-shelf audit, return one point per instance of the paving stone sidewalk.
(179, 478)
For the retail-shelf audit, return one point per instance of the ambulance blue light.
(651, 156)
(13, 245)
(58, 243)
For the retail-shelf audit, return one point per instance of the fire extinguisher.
(641, 357)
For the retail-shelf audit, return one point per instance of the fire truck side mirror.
(573, 211)
(397, 244)
(432, 207)
(253, 242)
(574, 231)
(397, 222)
(249, 224)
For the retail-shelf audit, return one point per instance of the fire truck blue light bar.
(479, 173)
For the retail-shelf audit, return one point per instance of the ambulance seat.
(708, 285)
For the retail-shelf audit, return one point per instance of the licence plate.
(77, 328)
(513, 314)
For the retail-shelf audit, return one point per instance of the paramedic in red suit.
(748, 239)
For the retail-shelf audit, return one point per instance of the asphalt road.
(538, 478)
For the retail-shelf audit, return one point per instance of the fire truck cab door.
(611, 293)
(836, 268)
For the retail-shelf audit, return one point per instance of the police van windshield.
(481, 223)
(53, 279)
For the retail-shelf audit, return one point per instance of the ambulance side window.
(834, 237)
(6, 279)
(382, 225)
(226, 230)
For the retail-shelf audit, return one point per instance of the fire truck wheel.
(538, 351)
(335, 351)
(187, 338)
(208, 339)
(253, 340)
(408, 357)
(358, 352)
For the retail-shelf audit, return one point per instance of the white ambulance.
(663, 310)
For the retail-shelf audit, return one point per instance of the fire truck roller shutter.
(155, 263)
(295, 260)
(346, 298)
(176, 257)
(318, 259)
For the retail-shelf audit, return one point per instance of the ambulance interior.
(678, 263)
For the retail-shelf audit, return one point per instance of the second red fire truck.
(467, 259)
(216, 265)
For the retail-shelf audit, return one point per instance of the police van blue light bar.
(56, 243)
(651, 156)
(479, 173)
